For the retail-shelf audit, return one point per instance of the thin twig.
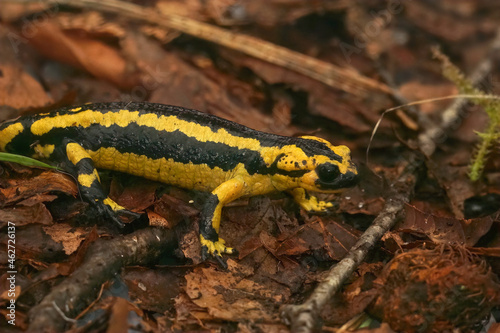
(450, 116)
(344, 79)
(62, 314)
(81, 314)
(303, 318)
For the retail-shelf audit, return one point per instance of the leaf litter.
(83, 55)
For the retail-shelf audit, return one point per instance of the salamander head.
(315, 165)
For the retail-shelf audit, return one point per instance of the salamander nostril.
(349, 179)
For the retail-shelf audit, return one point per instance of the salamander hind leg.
(81, 165)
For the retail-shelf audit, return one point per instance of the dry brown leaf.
(48, 181)
(156, 220)
(118, 320)
(458, 187)
(153, 289)
(136, 197)
(444, 25)
(18, 88)
(275, 13)
(445, 230)
(173, 81)
(335, 238)
(22, 215)
(95, 57)
(417, 91)
(228, 297)
(37, 198)
(174, 209)
(79, 258)
(324, 101)
(190, 244)
(91, 22)
(249, 246)
(68, 236)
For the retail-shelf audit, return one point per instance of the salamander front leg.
(309, 202)
(211, 243)
(82, 166)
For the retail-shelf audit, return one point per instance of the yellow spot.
(9, 133)
(114, 206)
(87, 180)
(43, 151)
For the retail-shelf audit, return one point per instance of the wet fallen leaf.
(20, 189)
(334, 238)
(34, 245)
(445, 229)
(136, 196)
(22, 215)
(153, 290)
(119, 317)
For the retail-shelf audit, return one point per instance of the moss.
(491, 135)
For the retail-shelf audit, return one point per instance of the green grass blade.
(23, 160)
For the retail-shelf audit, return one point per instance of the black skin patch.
(22, 143)
(207, 214)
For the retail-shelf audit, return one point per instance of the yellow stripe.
(43, 151)
(124, 118)
(193, 176)
(9, 133)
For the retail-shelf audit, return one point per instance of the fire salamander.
(181, 147)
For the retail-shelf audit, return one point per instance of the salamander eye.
(327, 172)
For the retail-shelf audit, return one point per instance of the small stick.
(102, 262)
(303, 318)
(336, 77)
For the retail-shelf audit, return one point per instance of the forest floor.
(323, 68)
